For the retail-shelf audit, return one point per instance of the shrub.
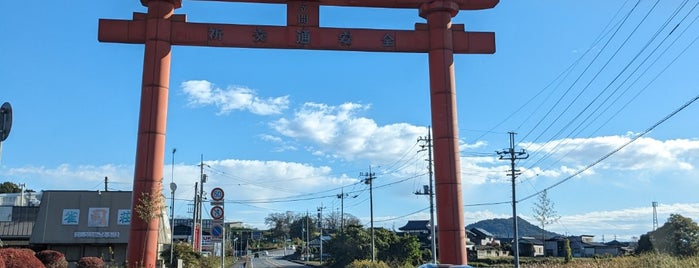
(19, 258)
(367, 264)
(52, 259)
(90, 262)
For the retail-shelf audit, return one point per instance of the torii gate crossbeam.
(160, 28)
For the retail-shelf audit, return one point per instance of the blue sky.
(576, 80)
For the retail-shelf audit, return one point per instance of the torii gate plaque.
(160, 28)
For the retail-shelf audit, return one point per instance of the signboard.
(96, 234)
(5, 120)
(70, 216)
(217, 194)
(217, 231)
(217, 212)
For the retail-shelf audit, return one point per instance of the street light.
(173, 187)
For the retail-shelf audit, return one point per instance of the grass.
(646, 260)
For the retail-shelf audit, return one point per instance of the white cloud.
(624, 223)
(465, 146)
(645, 154)
(203, 93)
(339, 131)
(262, 181)
(68, 177)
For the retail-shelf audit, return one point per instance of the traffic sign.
(5, 120)
(217, 212)
(217, 194)
(216, 230)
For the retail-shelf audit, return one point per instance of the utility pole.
(308, 244)
(510, 154)
(342, 197)
(173, 187)
(369, 178)
(195, 232)
(202, 178)
(342, 209)
(429, 190)
(320, 226)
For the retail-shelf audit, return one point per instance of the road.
(274, 260)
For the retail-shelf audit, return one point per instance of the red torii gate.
(160, 28)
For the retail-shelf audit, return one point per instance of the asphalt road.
(275, 259)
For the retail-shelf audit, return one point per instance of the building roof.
(530, 240)
(482, 232)
(419, 225)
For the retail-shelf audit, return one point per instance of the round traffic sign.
(5, 120)
(217, 212)
(217, 194)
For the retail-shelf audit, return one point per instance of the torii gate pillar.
(150, 149)
(450, 212)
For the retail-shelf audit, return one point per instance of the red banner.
(196, 237)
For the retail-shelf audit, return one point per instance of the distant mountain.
(502, 228)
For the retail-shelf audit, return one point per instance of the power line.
(578, 128)
(615, 150)
(404, 216)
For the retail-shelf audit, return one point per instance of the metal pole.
(173, 187)
(195, 233)
(320, 238)
(431, 195)
(514, 215)
(512, 156)
(429, 191)
(371, 207)
(223, 247)
(201, 199)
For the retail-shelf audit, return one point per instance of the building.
(531, 247)
(18, 213)
(88, 224)
(482, 237)
(420, 229)
(482, 244)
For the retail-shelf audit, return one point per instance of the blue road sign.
(216, 230)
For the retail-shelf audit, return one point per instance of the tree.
(568, 251)
(279, 223)
(644, 244)
(401, 250)
(298, 227)
(685, 235)
(353, 243)
(333, 221)
(679, 236)
(544, 213)
(9, 187)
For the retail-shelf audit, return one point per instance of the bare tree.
(544, 213)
